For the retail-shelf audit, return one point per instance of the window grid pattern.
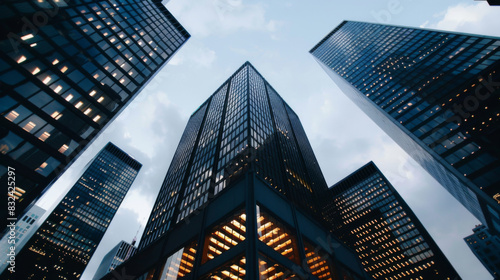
(235, 130)
(262, 133)
(163, 210)
(368, 215)
(67, 80)
(70, 235)
(294, 166)
(180, 264)
(412, 75)
(200, 174)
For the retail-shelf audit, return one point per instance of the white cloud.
(136, 202)
(471, 18)
(221, 17)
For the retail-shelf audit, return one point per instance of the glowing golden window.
(224, 236)
(276, 235)
(233, 270)
(180, 263)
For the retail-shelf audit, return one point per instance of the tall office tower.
(65, 242)
(367, 213)
(120, 253)
(235, 203)
(486, 247)
(23, 232)
(435, 93)
(67, 68)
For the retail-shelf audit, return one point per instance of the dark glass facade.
(120, 253)
(236, 201)
(65, 242)
(67, 68)
(244, 122)
(367, 213)
(435, 93)
(486, 248)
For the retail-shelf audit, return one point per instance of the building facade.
(486, 247)
(67, 68)
(367, 213)
(434, 93)
(238, 198)
(65, 242)
(120, 253)
(23, 232)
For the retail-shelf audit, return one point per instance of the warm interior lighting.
(27, 37)
(96, 118)
(92, 93)
(55, 61)
(63, 148)
(46, 80)
(35, 71)
(12, 115)
(87, 111)
(44, 136)
(29, 126)
(64, 69)
(21, 59)
(58, 89)
(69, 97)
(79, 104)
(33, 45)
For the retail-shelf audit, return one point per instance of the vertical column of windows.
(200, 173)
(235, 130)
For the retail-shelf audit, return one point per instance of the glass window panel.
(234, 269)
(180, 263)
(224, 236)
(276, 235)
(9, 142)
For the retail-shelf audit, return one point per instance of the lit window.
(64, 69)
(55, 61)
(180, 263)
(87, 111)
(12, 115)
(96, 76)
(29, 126)
(33, 45)
(79, 104)
(58, 89)
(112, 40)
(44, 136)
(122, 81)
(35, 71)
(63, 148)
(96, 118)
(46, 80)
(21, 59)
(27, 37)
(56, 115)
(43, 165)
(100, 99)
(224, 236)
(92, 93)
(69, 97)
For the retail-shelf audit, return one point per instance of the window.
(180, 263)
(276, 235)
(224, 236)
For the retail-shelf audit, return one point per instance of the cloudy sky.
(275, 36)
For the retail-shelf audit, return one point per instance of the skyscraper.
(65, 242)
(486, 247)
(435, 94)
(367, 213)
(67, 68)
(238, 199)
(120, 253)
(23, 232)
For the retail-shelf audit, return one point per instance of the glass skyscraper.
(435, 93)
(65, 242)
(367, 213)
(239, 198)
(67, 68)
(245, 121)
(120, 253)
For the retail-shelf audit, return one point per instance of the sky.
(276, 36)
